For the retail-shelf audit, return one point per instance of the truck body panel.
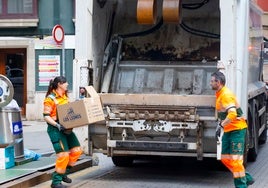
(154, 80)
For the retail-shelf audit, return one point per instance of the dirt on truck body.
(155, 77)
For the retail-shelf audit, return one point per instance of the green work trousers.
(61, 142)
(233, 144)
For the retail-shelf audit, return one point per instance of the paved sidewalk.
(31, 173)
(35, 137)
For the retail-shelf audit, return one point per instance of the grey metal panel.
(168, 80)
(139, 80)
(198, 81)
(184, 78)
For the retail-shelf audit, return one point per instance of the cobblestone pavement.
(157, 174)
(183, 173)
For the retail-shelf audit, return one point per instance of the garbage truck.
(151, 64)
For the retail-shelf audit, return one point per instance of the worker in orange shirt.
(234, 126)
(64, 141)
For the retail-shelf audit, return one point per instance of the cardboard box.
(81, 112)
(7, 159)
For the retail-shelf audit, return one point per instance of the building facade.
(30, 55)
(264, 6)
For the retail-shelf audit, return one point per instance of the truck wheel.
(263, 136)
(122, 161)
(253, 151)
(245, 155)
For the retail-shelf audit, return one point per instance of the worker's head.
(217, 80)
(59, 82)
(82, 90)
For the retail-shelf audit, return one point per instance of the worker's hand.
(60, 127)
(219, 129)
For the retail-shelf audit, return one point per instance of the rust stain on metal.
(149, 52)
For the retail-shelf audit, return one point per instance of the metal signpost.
(58, 36)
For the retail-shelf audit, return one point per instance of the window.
(1, 7)
(14, 9)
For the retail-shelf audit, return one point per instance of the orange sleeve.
(49, 106)
(232, 114)
(229, 103)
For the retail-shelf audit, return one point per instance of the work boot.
(250, 182)
(56, 180)
(58, 186)
(66, 179)
(250, 179)
(240, 182)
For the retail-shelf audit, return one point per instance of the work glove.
(219, 129)
(60, 127)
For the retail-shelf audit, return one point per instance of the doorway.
(13, 66)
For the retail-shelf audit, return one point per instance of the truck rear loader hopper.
(155, 83)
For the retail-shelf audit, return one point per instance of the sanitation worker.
(64, 141)
(234, 126)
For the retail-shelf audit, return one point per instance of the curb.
(40, 177)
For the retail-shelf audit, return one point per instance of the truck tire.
(263, 120)
(253, 120)
(245, 156)
(122, 161)
(263, 136)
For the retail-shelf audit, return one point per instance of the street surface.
(35, 137)
(166, 172)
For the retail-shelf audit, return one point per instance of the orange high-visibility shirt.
(51, 102)
(224, 100)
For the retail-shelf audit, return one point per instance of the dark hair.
(219, 76)
(53, 84)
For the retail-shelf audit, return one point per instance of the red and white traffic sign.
(58, 34)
